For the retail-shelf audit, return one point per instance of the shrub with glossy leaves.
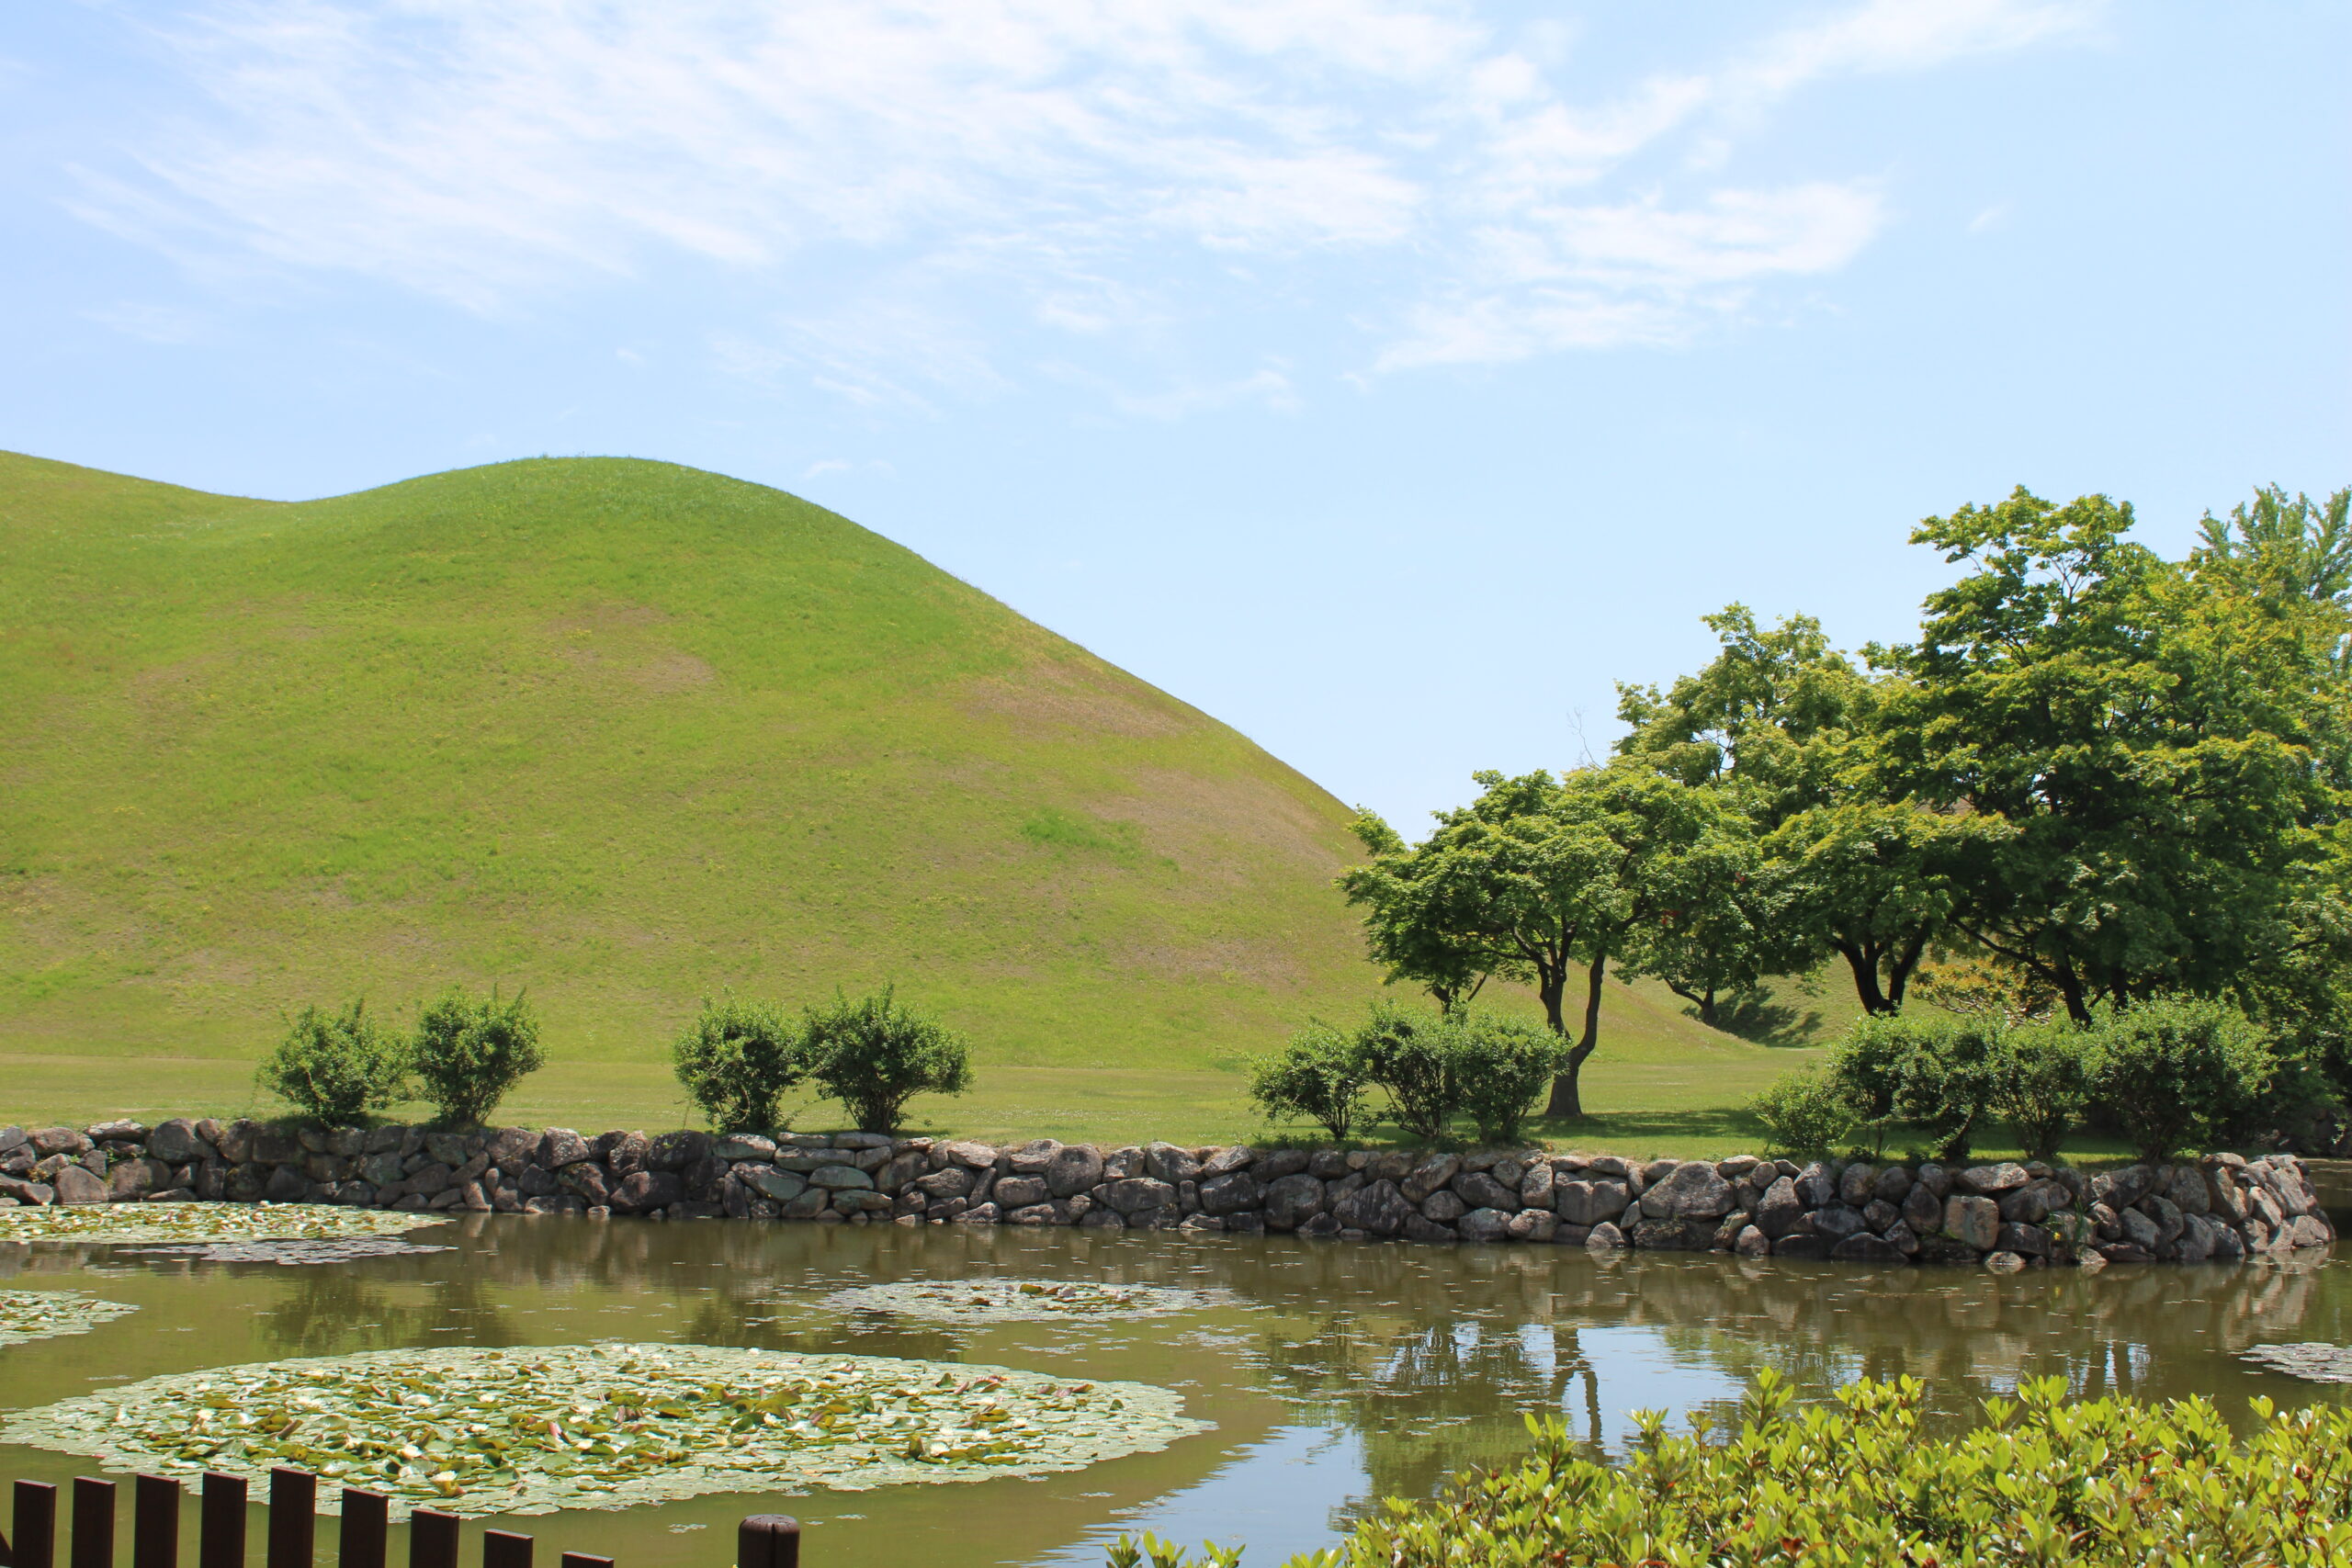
(2175, 1072)
(338, 1067)
(1318, 1076)
(2041, 1481)
(875, 1054)
(1501, 1067)
(1410, 1053)
(737, 1059)
(1809, 1113)
(469, 1052)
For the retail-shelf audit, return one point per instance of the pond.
(1334, 1373)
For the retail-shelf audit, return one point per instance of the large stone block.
(1292, 1201)
(1432, 1172)
(1377, 1209)
(1075, 1169)
(1139, 1194)
(1692, 1192)
(1230, 1193)
(1972, 1220)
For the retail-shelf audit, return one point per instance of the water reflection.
(1337, 1375)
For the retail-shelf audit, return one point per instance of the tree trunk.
(1566, 1101)
(1898, 972)
(1863, 962)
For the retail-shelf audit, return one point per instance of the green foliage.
(1153, 1553)
(1809, 1113)
(338, 1067)
(468, 1052)
(1936, 1073)
(1501, 1067)
(2174, 1073)
(875, 1054)
(2041, 1481)
(1320, 1075)
(1410, 1054)
(736, 1060)
(2040, 1084)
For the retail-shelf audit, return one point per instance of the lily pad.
(2312, 1363)
(344, 1249)
(992, 1300)
(479, 1431)
(40, 1315)
(203, 1222)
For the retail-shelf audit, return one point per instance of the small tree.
(2175, 1072)
(338, 1067)
(1410, 1055)
(1502, 1066)
(737, 1059)
(2037, 1085)
(1319, 1076)
(469, 1052)
(874, 1055)
(1809, 1113)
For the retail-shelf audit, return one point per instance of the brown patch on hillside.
(1065, 697)
(673, 672)
(1201, 820)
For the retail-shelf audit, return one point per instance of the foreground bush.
(336, 1067)
(875, 1054)
(1318, 1076)
(2099, 1484)
(736, 1060)
(2174, 1073)
(1410, 1054)
(469, 1052)
(1501, 1067)
(1809, 1113)
(2040, 1084)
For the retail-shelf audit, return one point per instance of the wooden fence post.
(504, 1548)
(768, 1541)
(432, 1540)
(366, 1522)
(93, 1544)
(154, 1522)
(34, 1522)
(293, 1519)
(220, 1523)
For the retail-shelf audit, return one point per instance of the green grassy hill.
(625, 733)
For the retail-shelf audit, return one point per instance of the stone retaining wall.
(2221, 1209)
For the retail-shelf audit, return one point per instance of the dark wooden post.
(221, 1527)
(35, 1543)
(503, 1548)
(768, 1541)
(93, 1545)
(154, 1523)
(365, 1521)
(432, 1540)
(293, 1519)
(581, 1560)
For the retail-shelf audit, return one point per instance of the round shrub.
(1809, 1113)
(1410, 1054)
(2039, 1084)
(736, 1060)
(338, 1067)
(1318, 1076)
(2175, 1072)
(874, 1055)
(469, 1052)
(1501, 1067)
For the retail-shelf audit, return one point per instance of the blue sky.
(1387, 377)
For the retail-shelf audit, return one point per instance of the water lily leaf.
(40, 1315)
(1020, 1301)
(204, 1223)
(504, 1431)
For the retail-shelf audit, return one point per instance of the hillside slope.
(624, 733)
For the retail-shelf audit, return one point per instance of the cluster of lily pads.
(202, 1222)
(479, 1431)
(2312, 1363)
(40, 1315)
(1017, 1300)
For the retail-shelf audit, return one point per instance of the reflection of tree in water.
(333, 1310)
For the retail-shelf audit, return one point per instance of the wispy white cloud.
(1095, 163)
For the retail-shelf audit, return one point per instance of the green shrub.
(1502, 1066)
(1318, 1076)
(874, 1055)
(1946, 1083)
(737, 1059)
(2039, 1084)
(2174, 1073)
(2041, 1481)
(1410, 1054)
(1809, 1113)
(469, 1052)
(1870, 1058)
(338, 1067)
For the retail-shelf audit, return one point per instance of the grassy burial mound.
(626, 733)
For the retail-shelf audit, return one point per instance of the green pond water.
(1334, 1373)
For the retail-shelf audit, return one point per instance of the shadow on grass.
(1665, 1132)
(1762, 1021)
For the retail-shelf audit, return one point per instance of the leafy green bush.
(1502, 1066)
(2174, 1073)
(1871, 1057)
(2041, 1481)
(737, 1059)
(2039, 1084)
(469, 1052)
(1938, 1074)
(874, 1055)
(1809, 1113)
(338, 1067)
(1410, 1055)
(1318, 1076)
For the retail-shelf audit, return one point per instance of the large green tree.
(2162, 744)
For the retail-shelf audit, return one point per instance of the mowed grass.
(626, 733)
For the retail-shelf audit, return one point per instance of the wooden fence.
(764, 1540)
